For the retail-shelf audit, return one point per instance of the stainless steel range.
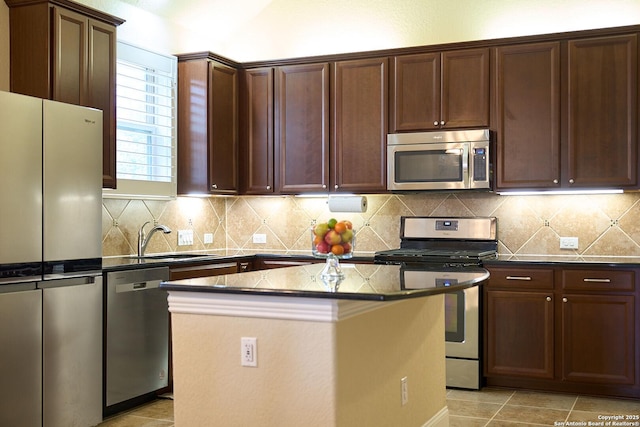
(449, 245)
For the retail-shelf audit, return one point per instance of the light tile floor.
(499, 407)
(487, 407)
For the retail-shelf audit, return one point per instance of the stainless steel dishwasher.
(136, 337)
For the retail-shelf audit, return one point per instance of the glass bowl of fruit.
(333, 237)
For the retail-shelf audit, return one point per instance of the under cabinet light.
(558, 192)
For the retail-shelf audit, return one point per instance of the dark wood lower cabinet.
(563, 329)
(523, 345)
(598, 339)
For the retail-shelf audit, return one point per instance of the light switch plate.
(185, 237)
(208, 238)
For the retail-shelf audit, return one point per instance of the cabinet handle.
(555, 181)
(441, 122)
(548, 298)
(336, 186)
(518, 278)
(586, 279)
(214, 186)
(324, 186)
(564, 300)
(268, 187)
(435, 123)
(571, 181)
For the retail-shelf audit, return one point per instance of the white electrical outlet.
(259, 238)
(248, 351)
(568, 243)
(185, 237)
(404, 391)
(208, 238)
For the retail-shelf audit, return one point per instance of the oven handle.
(527, 278)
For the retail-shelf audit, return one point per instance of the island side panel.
(379, 348)
(341, 370)
(293, 384)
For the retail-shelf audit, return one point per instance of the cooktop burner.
(445, 241)
(437, 253)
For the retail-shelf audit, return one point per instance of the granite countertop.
(362, 282)
(128, 262)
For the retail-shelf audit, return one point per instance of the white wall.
(277, 29)
(263, 29)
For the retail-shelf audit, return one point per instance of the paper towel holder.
(347, 203)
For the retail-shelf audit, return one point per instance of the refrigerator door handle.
(73, 281)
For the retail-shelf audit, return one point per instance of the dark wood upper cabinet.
(602, 112)
(302, 128)
(445, 90)
(527, 83)
(567, 114)
(256, 132)
(207, 127)
(308, 157)
(359, 111)
(66, 52)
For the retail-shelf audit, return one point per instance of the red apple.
(323, 247)
(332, 238)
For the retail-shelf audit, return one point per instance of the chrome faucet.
(143, 240)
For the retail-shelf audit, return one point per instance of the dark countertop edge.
(392, 296)
(613, 262)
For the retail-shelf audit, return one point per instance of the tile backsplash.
(606, 225)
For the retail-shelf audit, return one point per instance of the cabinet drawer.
(202, 270)
(597, 280)
(524, 278)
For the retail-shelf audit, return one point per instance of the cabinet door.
(465, 88)
(519, 334)
(598, 338)
(360, 92)
(69, 56)
(223, 129)
(415, 92)
(602, 112)
(101, 91)
(193, 155)
(257, 139)
(527, 86)
(302, 127)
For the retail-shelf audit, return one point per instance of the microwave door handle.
(466, 174)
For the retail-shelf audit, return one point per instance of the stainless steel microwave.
(447, 160)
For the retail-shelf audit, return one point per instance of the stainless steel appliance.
(50, 263)
(447, 248)
(447, 160)
(137, 337)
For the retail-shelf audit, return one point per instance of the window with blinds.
(146, 123)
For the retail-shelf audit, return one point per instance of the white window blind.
(146, 123)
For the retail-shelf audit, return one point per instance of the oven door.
(462, 328)
(442, 166)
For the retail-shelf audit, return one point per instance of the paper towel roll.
(347, 203)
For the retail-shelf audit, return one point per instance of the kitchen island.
(323, 356)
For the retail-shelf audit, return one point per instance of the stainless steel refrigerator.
(50, 263)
